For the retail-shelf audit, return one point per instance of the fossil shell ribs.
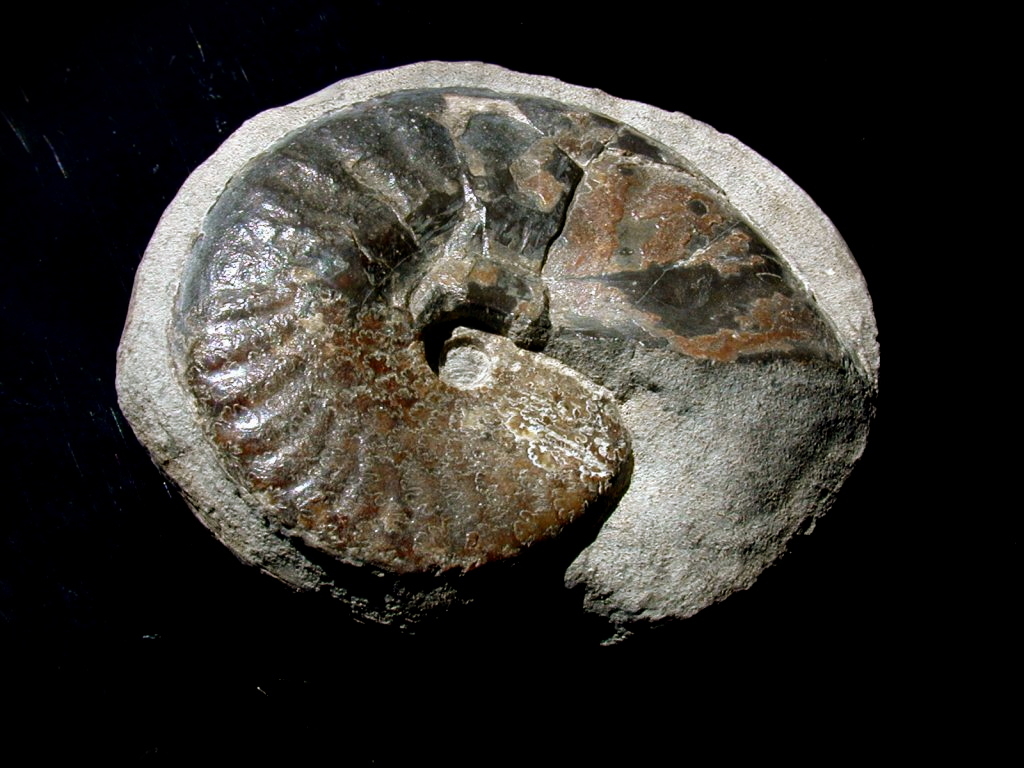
(301, 322)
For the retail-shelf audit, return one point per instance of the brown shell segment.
(649, 249)
(366, 454)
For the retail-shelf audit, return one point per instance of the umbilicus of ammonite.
(414, 332)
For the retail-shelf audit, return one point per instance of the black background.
(115, 602)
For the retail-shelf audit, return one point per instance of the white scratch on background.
(55, 156)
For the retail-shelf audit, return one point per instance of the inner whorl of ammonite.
(362, 321)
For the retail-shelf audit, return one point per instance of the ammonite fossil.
(437, 319)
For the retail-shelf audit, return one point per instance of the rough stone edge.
(159, 407)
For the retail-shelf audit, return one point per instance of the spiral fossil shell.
(414, 331)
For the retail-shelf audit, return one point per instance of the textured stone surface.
(430, 319)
